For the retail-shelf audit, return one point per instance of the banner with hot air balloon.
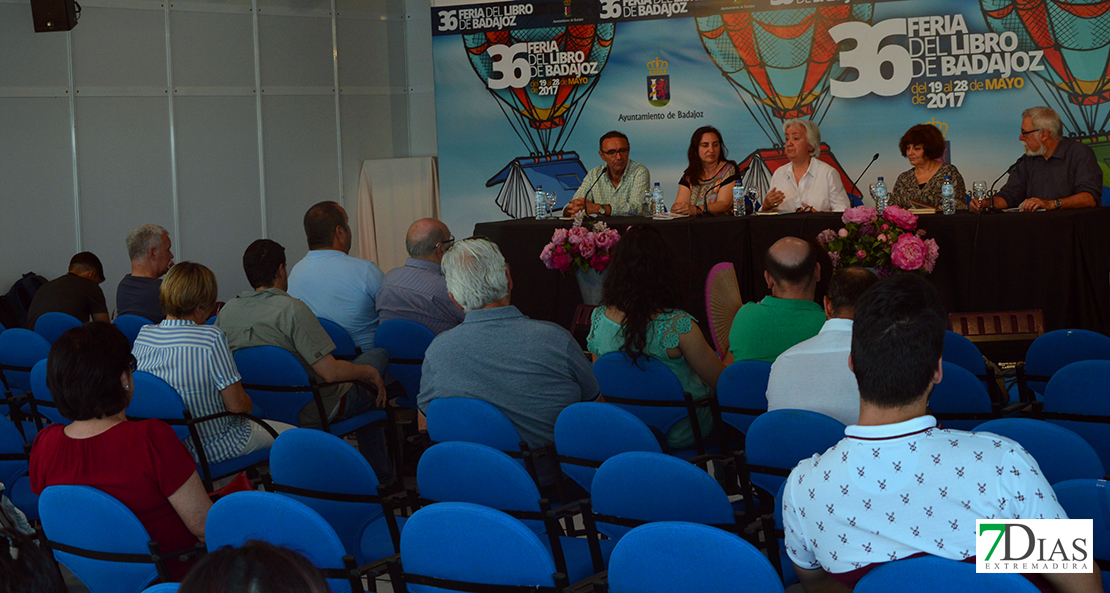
(524, 88)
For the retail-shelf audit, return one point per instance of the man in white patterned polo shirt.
(897, 486)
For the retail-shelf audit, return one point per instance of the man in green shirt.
(764, 330)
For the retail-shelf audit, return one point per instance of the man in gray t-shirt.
(529, 369)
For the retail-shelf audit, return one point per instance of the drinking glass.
(979, 192)
(549, 199)
(753, 198)
(648, 208)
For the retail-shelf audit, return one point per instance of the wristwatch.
(1056, 203)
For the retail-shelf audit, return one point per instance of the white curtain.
(392, 194)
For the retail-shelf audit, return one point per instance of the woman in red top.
(142, 464)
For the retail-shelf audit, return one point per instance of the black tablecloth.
(1056, 261)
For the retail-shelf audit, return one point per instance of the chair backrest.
(406, 341)
(596, 431)
(163, 588)
(1061, 454)
(1080, 388)
(722, 301)
(345, 348)
(468, 542)
(743, 385)
(21, 348)
(53, 324)
(1089, 499)
(676, 556)
(471, 420)
(11, 443)
(154, 398)
(960, 400)
(42, 394)
(962, 352)
(655, 487)
(645, 379)
(131, 324)
(468, 472)
(779, 439)
(931, 574)
(1057, 349)
(316, 460)
(279, 520)
(84, 517)
(271, 366)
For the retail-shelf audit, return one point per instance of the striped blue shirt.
(195, 360)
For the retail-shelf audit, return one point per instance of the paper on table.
(669, 216)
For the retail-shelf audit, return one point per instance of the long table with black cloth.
(1058, 261)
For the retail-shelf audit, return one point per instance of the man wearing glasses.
(1056, 172)
(417, 291)
(617, 187)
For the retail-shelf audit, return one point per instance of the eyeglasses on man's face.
(1027, 132)
(615, 152)
(446, 243)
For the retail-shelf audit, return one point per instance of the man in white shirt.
(814, 374)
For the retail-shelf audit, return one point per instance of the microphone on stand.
(990, 193)
(855, 183)
(604, 173)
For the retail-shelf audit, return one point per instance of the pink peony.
(826, 236)
(586, 249)
(861, 254)
(606, 240)
(559, 236)
(576, 235)
(886, 226)
(834, 256)
(860, 215)
(842, 232)
(901, 217)
(881, 238)
(600, 261)
(932, 251)
(547, 256)
(562, 262)
(909, 252)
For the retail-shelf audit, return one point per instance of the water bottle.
(752, 202)
(881, 199)
(948, 196)
(541, 204)
(657, 199)
(738, 200)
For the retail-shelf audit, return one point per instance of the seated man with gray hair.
(137, 294)
(417, 291)
(529, 369)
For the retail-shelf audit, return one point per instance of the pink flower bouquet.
(889, 243)
(580, 248)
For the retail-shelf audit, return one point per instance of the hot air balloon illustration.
(1074, 36)
(544, 111)
(779, 63)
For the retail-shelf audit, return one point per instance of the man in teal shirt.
(764, 330)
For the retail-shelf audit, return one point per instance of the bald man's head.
(427, 239)
(791, 261)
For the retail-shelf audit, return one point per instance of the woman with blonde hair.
(195, 360)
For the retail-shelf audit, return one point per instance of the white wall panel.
(301, 169)
(117, 47)
(29, 59)
(217, 180)
(296, 52)
(363, 47)
(212, 49)
(123, 165)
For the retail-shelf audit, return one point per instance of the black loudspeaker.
(54, 15)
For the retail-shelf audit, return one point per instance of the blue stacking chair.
(154, 398)
(1054, 351)
(279, 385)
(778, 555)
(14, 469)
(20, 349)
(960, 401)
(964, 353)
(330, 476)
(779, 439)
(453, 545)
(345, 348)
(42, 401)
(1090, 499)
(131, 324)
(634, 488)
(931, 574)
(1060, 453)
(1076, 399)
(279, 520)
(52, 325)
(588, 433)
(101, 541)
(477, 421)
(406, 341)
(651, 391)
(469, 472)
(163, 588)
(741, 393)
(676, 556)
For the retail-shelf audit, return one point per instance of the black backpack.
(14, 305)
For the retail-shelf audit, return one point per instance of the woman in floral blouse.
(923, 144)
